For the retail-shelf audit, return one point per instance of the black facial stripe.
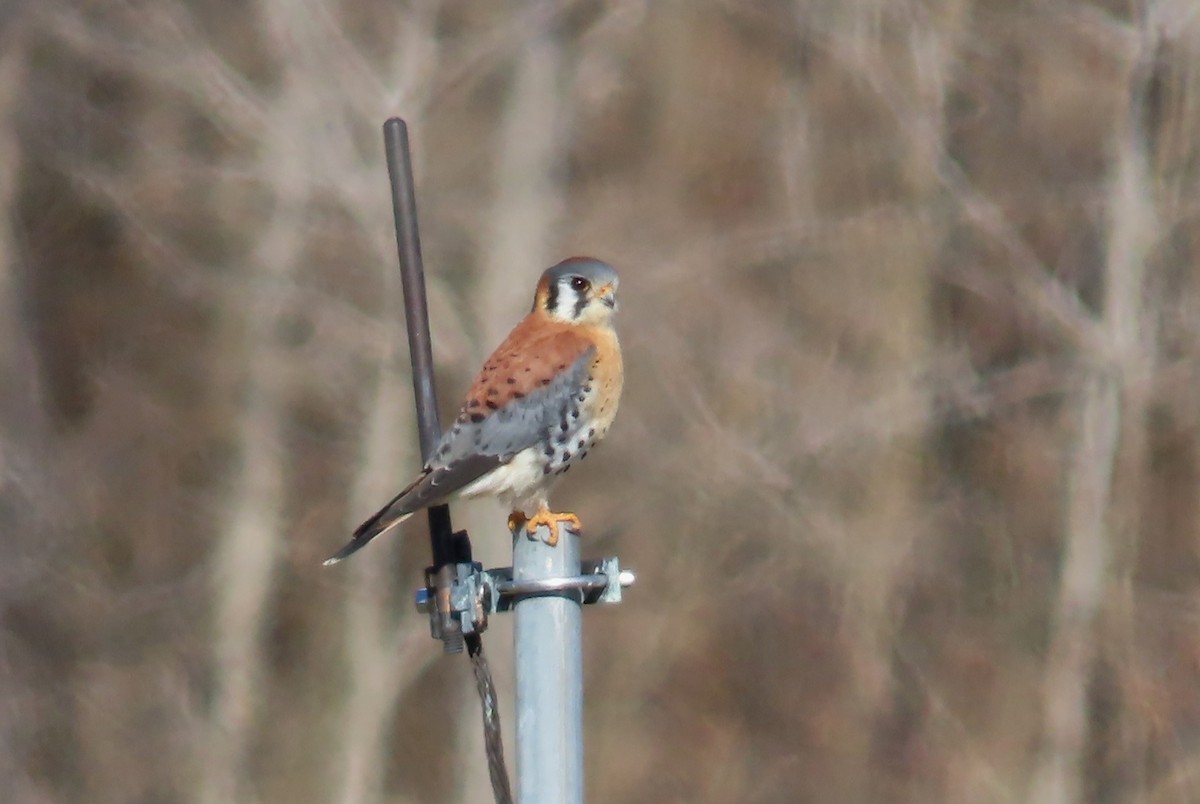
(552, 298)
(580, 302)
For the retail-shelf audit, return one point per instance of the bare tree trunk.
(386, 650)
(244, 565)
(529, 197)
(1084, 577)
(18, 399)
(24, 454)
(1113, 380)
(244, 572)
(909, 76)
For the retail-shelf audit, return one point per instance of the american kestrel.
(542, 400)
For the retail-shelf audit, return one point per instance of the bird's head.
(579, 290)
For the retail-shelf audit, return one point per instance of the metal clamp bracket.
(473, 592)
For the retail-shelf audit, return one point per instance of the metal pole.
(549, 675)
(446, 549)
(412, 279)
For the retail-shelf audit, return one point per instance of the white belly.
(519, 483)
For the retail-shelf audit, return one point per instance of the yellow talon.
(552, 521)
(516, 521)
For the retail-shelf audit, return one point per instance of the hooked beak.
(608, 295)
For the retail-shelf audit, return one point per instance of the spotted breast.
(544, 397)
(585, 416)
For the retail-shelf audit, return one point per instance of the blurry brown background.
(907, 462)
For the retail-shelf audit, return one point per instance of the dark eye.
(579, 283)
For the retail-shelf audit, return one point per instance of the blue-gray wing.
(523, 392)
(484, 437)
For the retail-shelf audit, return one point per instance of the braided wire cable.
(493, 745)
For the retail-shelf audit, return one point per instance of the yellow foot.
(552, 521)
(516, 521)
